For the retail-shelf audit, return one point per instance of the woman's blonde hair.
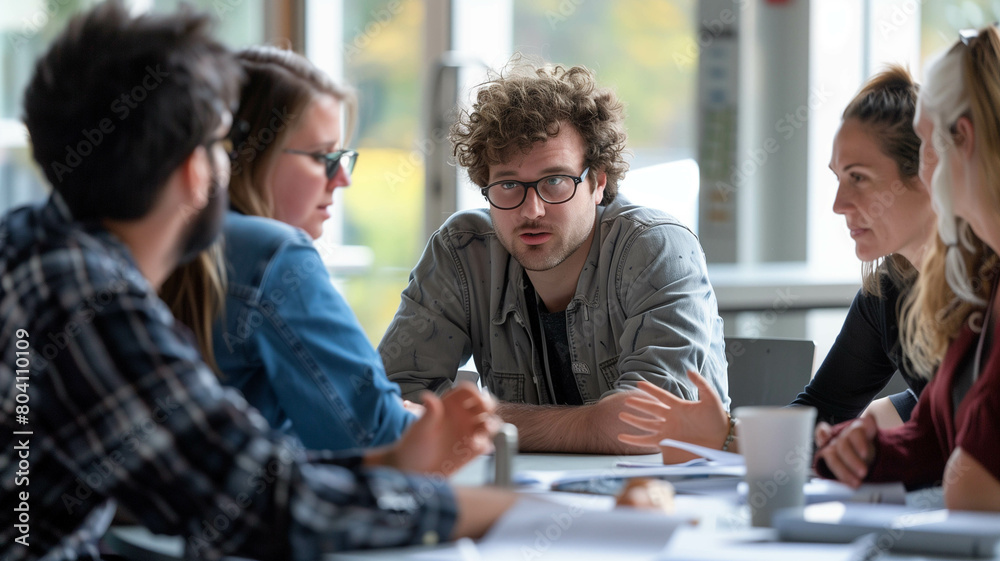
(280, 85)
(885, 106)
(195, 293)
(959, 270)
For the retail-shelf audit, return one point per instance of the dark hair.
(524, 105)
(117, 103)
(886, 106)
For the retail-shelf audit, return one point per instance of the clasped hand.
(850, 453)
(452, 430)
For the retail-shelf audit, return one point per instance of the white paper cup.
(777, 445)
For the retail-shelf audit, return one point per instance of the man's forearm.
(588, 429)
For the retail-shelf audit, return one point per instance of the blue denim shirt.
(292, 345)
(643, 310)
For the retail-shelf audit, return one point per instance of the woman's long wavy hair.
(959, 269)
(280, 85)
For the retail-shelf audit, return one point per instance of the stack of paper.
(567, 530)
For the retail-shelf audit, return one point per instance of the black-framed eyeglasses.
(333, 160)
(509, 194)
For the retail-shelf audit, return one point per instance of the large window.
(383, 208)
(26, 28)
(941, 21)
(628, 44)
(632, 46)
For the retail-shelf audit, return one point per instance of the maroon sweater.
(916, 452)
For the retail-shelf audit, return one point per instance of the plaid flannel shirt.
(119, 407)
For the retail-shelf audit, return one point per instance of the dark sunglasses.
(333, 160)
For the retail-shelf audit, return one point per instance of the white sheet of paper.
(568, 530)
(638, 464)
(718, 456)
(541, 530)
(691, 544)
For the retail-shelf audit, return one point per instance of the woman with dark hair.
(888, 211)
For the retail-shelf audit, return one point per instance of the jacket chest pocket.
(610, 372)
(506, 387)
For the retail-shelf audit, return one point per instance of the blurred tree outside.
(383, 208)
(941, 21)
(631, 45)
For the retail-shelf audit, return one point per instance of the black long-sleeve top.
(863, 359)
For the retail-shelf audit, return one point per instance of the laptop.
(895, 528)
(768, 371)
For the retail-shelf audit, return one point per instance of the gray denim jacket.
(643, 310)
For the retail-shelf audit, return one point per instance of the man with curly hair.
(564, 293)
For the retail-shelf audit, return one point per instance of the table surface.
(716, 517)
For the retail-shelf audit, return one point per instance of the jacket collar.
(508, 295)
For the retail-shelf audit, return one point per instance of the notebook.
(895, 528)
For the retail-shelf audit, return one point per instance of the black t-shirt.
(560, 365)
(549, 331)
(865, 356)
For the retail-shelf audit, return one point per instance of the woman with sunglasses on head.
(888, 211)
(950, 329)
(286, 338)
